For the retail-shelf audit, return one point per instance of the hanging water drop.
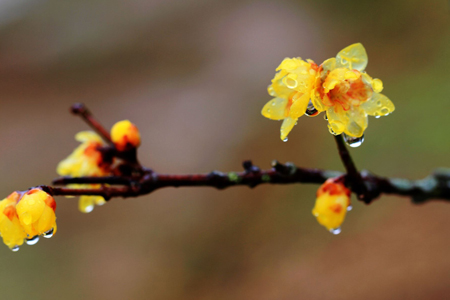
(335, 231)
(33, 240)
(377, 117)
(285, 139)
(349, 208)
(15, 249)
(353, 141)
(311, 111)
(48, 234)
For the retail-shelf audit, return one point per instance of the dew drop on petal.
(33, 240)
(48, 234)
(353, 141)
(311, 111)
(15, 249)
(349, 208)
(285, 139)
(335, 230)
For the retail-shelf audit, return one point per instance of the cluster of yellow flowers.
(25, 216)
(339, 86)
(89, 160)
(342, 89)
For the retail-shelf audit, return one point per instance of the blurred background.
(193, 75)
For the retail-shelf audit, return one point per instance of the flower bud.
(125, 135)
(36, 212)
(333, 200)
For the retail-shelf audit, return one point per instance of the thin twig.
(354, 177)
(81, 110)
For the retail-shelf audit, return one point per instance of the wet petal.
(337, 119)
(352, 57)
(357, 122)
(298, 107)
(378, 105)
(286, 127)
(275, 109)
(329, 64)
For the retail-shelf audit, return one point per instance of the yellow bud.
(333, 200)
(125, 135)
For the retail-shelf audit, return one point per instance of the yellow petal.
(286, 127)
(378, 105)
(337, 119)
(352, 57)
(329, 64)
(298, 107)
(357, 122)
(275, 109)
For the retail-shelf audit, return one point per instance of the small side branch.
(81, 110)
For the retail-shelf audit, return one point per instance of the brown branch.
(435, 186)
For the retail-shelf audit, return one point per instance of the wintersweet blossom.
(86, 160)
(339, 86)
(332, 203)
(24, 216)
(291, 88)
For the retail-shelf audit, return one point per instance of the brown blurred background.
(193, 75)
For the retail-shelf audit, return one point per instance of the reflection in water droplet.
(353, 141)
(48, 234)
(335, 230)
(377, 117)
(349, 208)
(33, 240)
(285, 139)
(15, 249)
(311, 111)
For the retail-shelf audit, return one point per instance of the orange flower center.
(350, 92)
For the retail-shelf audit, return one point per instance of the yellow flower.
(86, 160)
(292, 87)
(25, 216)
(332, 203)
(36, 211)
(348, 94)
(125, 135)
(339, 86)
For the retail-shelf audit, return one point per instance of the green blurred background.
(193, 75)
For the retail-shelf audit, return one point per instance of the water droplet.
(384, 111)
(353, 141)
(311, 111)
(273, 103)
(377, 117)
(15, 249)
(48, 234)
(349, 208)
(379, 103)
(88, 208)
(285, 139)
(335, 230)
(268, 110)
(33, 240)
